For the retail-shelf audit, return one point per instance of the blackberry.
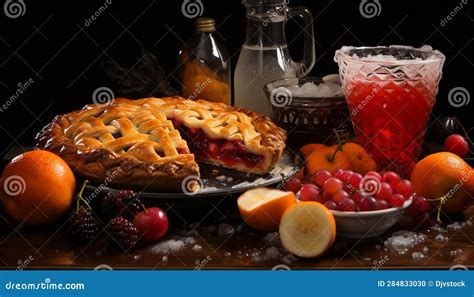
(123, 231)
(83, 226)
(124, 203)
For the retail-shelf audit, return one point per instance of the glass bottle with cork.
(205, 65)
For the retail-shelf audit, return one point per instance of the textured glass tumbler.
(390, 92)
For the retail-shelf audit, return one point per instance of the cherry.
(384, 192)
(347, 205)
(293, 185)
(152, 224)
(421, 204)
(456, 144)
(404, 188)
(354, 180)
(344, 175)
(396, 200)
(332, 185)
(330, 205)
(368, 204)
(391, 178)
(309, 192)
(382, 204)
(321, 177)
(339, 196)
(357, 197)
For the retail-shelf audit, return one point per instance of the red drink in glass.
(390, 100)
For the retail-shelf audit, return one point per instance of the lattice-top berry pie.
(152, 143)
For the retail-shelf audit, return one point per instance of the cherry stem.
(441, 200)
(144, 207)
(339, 146)
(79, 195)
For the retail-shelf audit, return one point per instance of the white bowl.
(365, 224)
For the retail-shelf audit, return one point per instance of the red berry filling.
(230, 152)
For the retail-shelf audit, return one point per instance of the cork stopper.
(205, 25)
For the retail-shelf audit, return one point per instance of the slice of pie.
(154, 143)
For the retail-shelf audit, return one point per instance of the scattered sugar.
(137, 257)
(189, 240)
(417, 256)
(227, 254)
(438, 228)
(425, 250)
(197, 247)
(164, 259)
(168, 246)
(455, 226)
(456, 253)
(271, 237)
(230, 178)
(441, 237)
(289, 258)
(271, 253)
(225, 229)
(402, 241)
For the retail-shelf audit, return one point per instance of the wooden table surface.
(51, 248)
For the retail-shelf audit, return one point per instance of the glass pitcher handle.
(309, 56)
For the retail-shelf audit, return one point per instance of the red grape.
(321, 177)
(456, 144)
(331, 205)
(396, 200)
(339, 196)
(382, 204)
(309, 192)
(293, 185)
(404, 188)
(332, 185)
(384, 192)
(391, 178)
(367, 204)
(347, 205)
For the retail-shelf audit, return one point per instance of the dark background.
(52, 45)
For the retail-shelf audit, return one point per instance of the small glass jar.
(205, 65)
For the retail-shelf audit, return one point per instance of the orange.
(325, 159)
(262, 208)
(444, 175)
(361, 162)
(310, 148)
(37, 187)
(307, 229)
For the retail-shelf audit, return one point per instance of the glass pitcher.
(264, 56)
